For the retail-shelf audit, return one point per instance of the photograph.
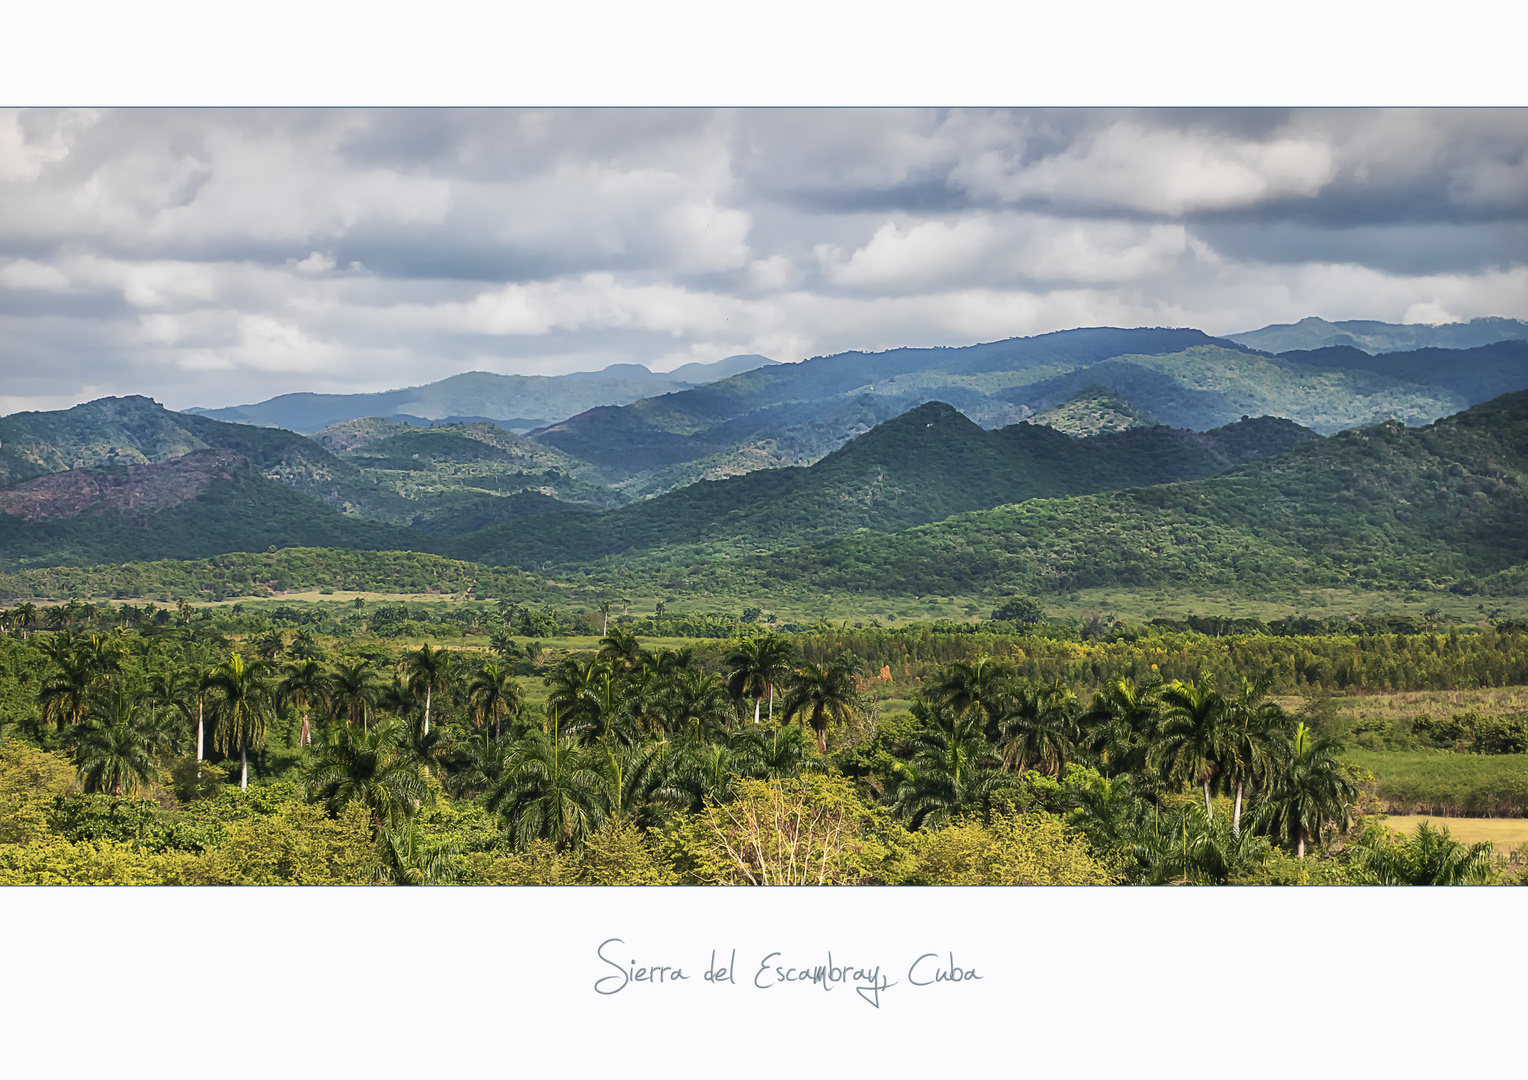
(976, 517)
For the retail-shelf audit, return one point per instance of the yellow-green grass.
(1408, 704)
(1505, 833)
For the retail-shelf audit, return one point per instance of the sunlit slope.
(1440, 507)
(922, 466)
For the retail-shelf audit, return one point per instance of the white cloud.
(1162, 171)
(26, 274)
(926, 252)
(195, 255)
(22, 158)
(316, 263)
(993, 250)
(771, 273)
(265, 344)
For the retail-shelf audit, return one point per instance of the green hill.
(136, 430)
(1476, 375)
(1209, 385)
(1441, 507)
(462, 477)
(203, 503)
(1093, 410)
(444, 480)
(922, 466)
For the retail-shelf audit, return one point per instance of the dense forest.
(321, 745)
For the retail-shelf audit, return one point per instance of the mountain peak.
(1092, 411)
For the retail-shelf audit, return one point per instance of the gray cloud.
(212, 257)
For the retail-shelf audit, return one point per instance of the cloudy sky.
(218, 257)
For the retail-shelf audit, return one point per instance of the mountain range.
(1443, 507)
(1148, 457)
(1381, 337)
(515, 402)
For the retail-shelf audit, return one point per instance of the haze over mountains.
(1381, 337)
(818, 457)
(516, 402)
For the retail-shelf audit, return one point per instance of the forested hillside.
(922, 466)
(206, 503)
(1476, 375)
(1440, 507)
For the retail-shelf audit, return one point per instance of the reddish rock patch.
(137, 489)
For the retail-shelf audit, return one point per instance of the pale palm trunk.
(1236, 814)
(756, 709)
(243, 767)
(427, 691)
(771, 703)
(1208, 811)
(1300, 843)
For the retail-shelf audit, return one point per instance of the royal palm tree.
(369, 767)
(423, 748)
(304, 684)
(982, 687)
(823, 693)
(352, 692)
(697, 773)
(184, 688)
(553, 789)
(622, 652)
(428, 668)
(1120, 723)
(115, 752)
(270, 645)
(1309, 790)
(1110, 812)
(242, 697)
(695, 704)
(756, 667)
(1194, 738)
(1255, 730)
(494, 692)
(26, 618)
(587, 699)
(1194, 849)
(953, 769)
(405, 855)
(63, 696)
(1037, 728)
(632, 776)
(398, 698)
(773, 752)
(480, 763)
(503, 646)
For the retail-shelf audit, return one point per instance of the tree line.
(684, 762)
